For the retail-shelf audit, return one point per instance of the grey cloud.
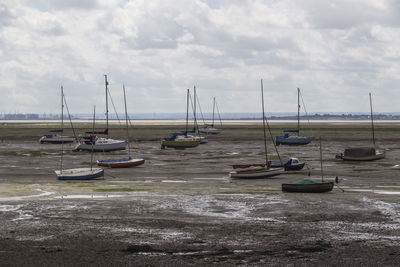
(5, 15)
(63, 4)
(346, 14)
(154, 33)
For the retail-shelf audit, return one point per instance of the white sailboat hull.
(209, 130)
(102, 145)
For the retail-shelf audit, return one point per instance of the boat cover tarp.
(359, 152)
(285, 161)
(291, 131)
(56, 131)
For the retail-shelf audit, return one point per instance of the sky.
(334, 51)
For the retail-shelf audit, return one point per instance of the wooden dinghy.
(308, 186)
(120, 163)
(79, 173)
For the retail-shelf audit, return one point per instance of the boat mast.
(320, 157)
(263, 119)
(194, 108)
(126, 119)
(62, 127)
(92, 137)
(106, 82)
(213, 112)
(62, 109)
(187, 111)
(298, 111)
(372, 120)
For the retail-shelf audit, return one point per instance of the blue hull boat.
(293, 140)
(79, 174)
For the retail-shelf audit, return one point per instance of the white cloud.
(335, 52)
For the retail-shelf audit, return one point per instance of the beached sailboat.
(363, 153)
(249, 171)
(78, 173)
(181, 140)
(57, 138)
(209, 128)
(310, 186)
(122, 162)
(100, 144)
(287, 138)
(197, 136)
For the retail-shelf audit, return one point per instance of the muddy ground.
(180, 208)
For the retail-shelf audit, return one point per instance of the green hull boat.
(308, 186)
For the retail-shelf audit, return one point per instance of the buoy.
(133, 147)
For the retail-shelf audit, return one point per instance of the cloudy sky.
(335, 51)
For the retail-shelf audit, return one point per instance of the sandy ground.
(180, 208)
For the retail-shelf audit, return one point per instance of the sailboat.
(100, 144)
(249, 171)
(122, 162)
(310, 186)
(289, 139)
(363, 153)
(198, 136)
(78, 173)
(57, 138)
(209, 128)
(181, 140)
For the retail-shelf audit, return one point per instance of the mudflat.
(181, 208)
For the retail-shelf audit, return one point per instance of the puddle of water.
(26, 197)
(88, 196)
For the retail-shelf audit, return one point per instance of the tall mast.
(263, 119)
(106, 82)
(213, 111)
(187, 111)
(92, 137)
(62, 127)
(62, 109)
(298, 111)
(126, 119)
(372, 120)
(320, 157)
(194, 108)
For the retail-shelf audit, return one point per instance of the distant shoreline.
(217, 124)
